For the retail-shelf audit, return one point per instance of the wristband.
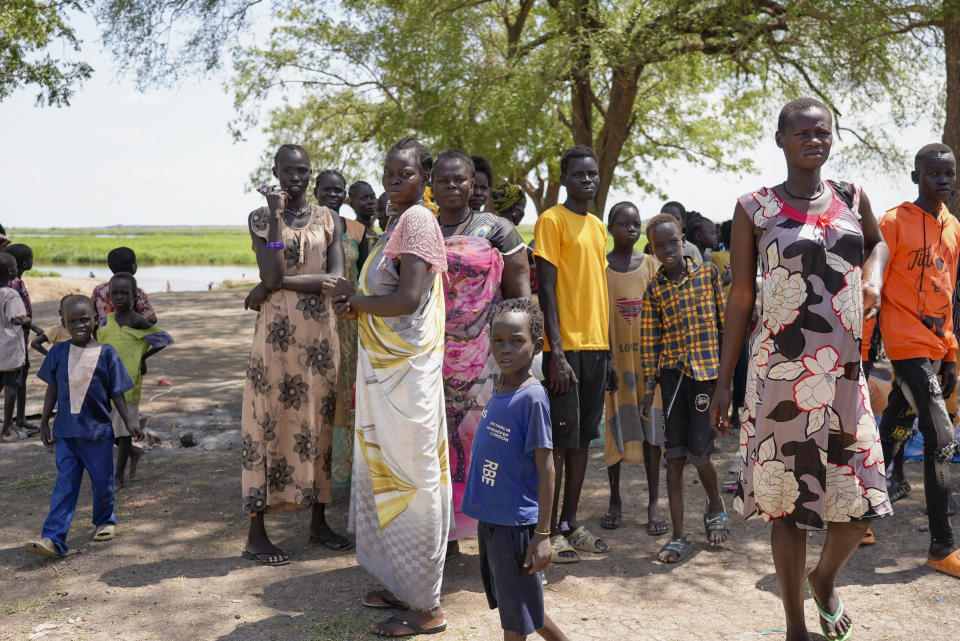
(275, 245)
(546, 534)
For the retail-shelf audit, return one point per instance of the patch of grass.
(36, 273)
(343, 626)
(30, 482)
(153, 245)
(19, 606)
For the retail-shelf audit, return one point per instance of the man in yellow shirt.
(570, 254)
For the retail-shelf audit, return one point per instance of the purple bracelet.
(275, 245)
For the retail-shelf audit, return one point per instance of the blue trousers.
(73, 456)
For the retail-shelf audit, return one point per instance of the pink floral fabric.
(471, 291)
(418, 233)
(809, 446)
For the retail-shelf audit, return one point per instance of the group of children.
(93, 370)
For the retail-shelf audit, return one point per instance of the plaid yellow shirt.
(681, 324)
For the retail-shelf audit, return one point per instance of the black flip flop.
(611, 521)
(657, 528)
(415, 629)
(388, 603)
(680, 547)
(261, 557)
(337, 543)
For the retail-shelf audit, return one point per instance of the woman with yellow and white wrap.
(400, 499)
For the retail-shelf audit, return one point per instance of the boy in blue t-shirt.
(82, 377)
(509, 486)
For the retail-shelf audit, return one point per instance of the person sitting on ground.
(916, 322)
(679, 212)
(510, 482)
(54, 336)
(480, 197)
(629, 437)
(135, 340)
(681, 327)
(82, 377)
(24, 257)
(13, 318)
(122, 259)
(577, 364)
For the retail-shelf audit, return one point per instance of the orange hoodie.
(916, 319)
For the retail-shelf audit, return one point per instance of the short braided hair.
(526, 306)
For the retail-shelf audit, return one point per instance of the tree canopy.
(641, 81)
(28, 31)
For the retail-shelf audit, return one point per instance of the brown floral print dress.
(289, 395)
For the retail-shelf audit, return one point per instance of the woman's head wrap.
(506, 196)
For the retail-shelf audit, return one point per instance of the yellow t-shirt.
(576, 245)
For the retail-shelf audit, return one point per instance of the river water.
(160, 278)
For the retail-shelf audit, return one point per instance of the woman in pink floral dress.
(485, 259)
(809, 448)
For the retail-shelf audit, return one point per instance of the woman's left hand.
(256, 297)
(335, 287)
(871, 299)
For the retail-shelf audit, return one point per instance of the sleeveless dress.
(289, 395)
(809, 446)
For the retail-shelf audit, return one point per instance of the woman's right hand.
(335, 287)
(277, 200)
(342, 308)
(719, 410)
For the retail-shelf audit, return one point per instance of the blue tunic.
(93, 384)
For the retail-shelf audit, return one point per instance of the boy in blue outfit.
(510, 482)
(82, 377)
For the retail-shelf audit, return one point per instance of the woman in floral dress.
(289, 395)
(809, 448)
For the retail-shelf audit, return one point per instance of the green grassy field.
(156, 245)
(153, 245)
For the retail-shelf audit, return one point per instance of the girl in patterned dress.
(289, 395)
(810, 452)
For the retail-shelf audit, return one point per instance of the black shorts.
(510, 587)
(576, 415)
(687, 427)
(12, 377)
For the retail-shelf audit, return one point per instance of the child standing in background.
(135, 340)
(510, 483)
(54, 336)
(629, 437)
(24, 257)
(122, 259)
(82, 377)
(13, 317)
(680, 331)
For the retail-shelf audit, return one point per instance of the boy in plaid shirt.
(681, 327)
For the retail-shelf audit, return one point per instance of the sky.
(118, 156)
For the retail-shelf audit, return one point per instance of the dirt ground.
(175, 572)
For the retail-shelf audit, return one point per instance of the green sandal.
(826, 616)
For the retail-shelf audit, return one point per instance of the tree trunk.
(951, 40)
(616, 129)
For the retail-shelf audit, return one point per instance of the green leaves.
(27, 29)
